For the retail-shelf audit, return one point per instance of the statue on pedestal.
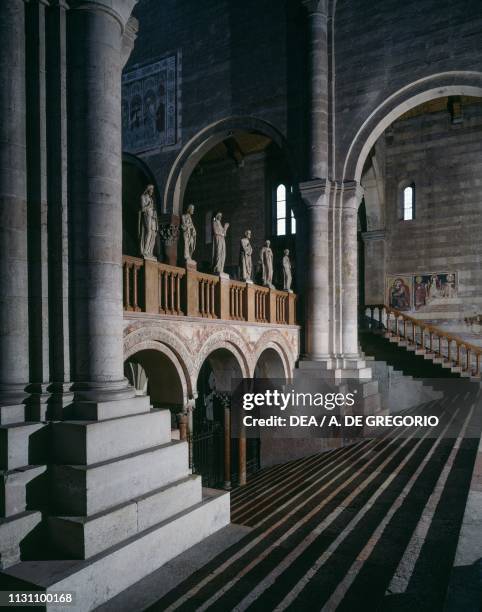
(219, 244)
(189, 234)
(287, 275)
(266, 258)
(245, 257)
(148, 223)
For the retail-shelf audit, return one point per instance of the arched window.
(280, 210)
(408, 203)
(284, 218)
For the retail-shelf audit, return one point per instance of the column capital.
(315, 192)
(349, 194)
(316, 7)
(120, 10)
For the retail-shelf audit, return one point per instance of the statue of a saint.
(266, 258)
(148, 224)
(245, 257)
(188, 233)
(219, 244)
(287, 275)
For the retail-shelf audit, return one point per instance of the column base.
(102, 391)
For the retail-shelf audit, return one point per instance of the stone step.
(87, 442)
(16, 486)
(80, 490)
(100, 411)
(12, 414)
(22, 444)
(12, 531)
(83, 537)
(100, 578)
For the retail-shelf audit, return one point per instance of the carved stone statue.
(148, 224)
(266, 258)
(287, 275)
(245, 257)
(189, 234)
(219, 244)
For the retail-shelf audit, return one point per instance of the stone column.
(316, 195)
(374, 247)
(58, 238)
(96, 54)
(37, 207)
(14, 360)
(318, 87)
(351, 195)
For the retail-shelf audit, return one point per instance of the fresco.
(435, 286)
(416, 291)
(399, 293)
(149, 106)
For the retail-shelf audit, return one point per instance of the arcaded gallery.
(212, 213)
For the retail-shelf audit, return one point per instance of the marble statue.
(219, 244)
(188, 233)
(245, 257)
(266, 260)
(148, 224)
(287, 275)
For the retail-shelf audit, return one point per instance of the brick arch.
(205, 140)
(408, 97)
(157, 338)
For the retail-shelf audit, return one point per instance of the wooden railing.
(430, 339)
(153, 287)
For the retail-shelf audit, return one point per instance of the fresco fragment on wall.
(416, 291)
(399, 292)
(149, 106)
(428, 288)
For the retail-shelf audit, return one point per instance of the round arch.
(159, 376)
(410, 96)
(218, 342)
(206, 139)
(155, 336)
(270, 364)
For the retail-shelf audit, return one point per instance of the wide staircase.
(419, 339)
(371, 526)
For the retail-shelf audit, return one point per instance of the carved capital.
(316, 192)
(316, 7)
(351, 194)
(120, 10)
(169, 233)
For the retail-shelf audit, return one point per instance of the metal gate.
(207, 453)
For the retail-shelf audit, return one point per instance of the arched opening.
(152, 373)
(221, 460)
(135, 178)
(423, 208)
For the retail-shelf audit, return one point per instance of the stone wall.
(444, 160)
(389, 48)
(228, 65)
(241, 193)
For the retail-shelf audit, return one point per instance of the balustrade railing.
(441, 346)
(154, 287)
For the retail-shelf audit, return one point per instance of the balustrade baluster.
(126, 287)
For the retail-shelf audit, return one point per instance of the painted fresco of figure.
(420, 293)
(400, 295)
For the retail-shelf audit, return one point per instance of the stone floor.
(372, 526)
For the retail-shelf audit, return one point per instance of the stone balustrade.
(158, 288)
